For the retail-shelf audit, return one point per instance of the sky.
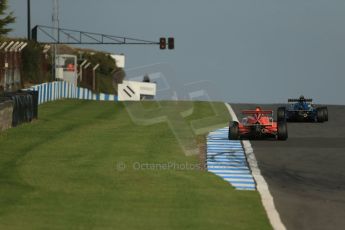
(248, 51)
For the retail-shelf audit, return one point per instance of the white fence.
(56, 90)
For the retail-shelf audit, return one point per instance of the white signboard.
(66, 68)
(134, 90)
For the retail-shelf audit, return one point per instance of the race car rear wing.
(298, 110)
(252, 112)
(298, 100)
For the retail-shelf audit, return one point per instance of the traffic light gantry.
(72, 37)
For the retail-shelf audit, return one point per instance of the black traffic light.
(162, 43)
(171, 43)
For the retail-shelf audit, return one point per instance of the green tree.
(5, 18)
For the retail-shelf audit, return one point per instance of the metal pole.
(94, 77)
(56, 25)
(81, 70)
(93, 80)
(29, 20)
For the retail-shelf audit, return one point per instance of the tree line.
(6, 18)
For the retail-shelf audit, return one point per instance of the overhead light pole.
(29, 19)
(56, 25)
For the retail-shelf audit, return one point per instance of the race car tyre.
(282, 132)
(325, 113)
(234, 133)
(281, 114)
(320, 115)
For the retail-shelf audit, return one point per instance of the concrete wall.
(6, 111)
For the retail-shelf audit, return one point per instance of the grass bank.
(94, 165)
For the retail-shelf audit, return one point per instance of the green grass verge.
(61, 172)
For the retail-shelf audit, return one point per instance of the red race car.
(258, 124)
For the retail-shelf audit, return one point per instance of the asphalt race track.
(306, 173)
